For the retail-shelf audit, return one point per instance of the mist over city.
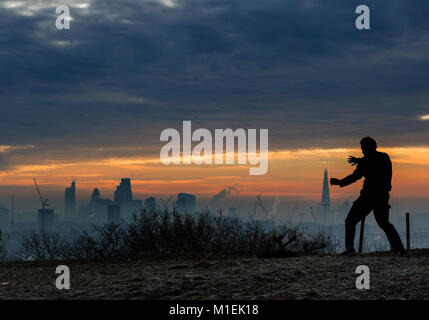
(69, 215)
(219, 149)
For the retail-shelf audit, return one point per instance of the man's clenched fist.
(335, 181)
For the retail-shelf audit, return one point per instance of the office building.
(70, 201)
(123, 193)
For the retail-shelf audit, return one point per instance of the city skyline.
(323, 210)
(291, 174)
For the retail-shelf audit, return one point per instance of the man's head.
(368, 145)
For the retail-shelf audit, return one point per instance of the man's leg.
(360, 209)
(381, 214)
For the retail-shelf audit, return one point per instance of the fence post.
(362, 228)
(407, 223)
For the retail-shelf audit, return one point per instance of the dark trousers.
(380, 206)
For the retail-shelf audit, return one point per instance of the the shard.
(325, 207)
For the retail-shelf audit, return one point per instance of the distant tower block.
(113, 214)
(232, 213)
(326, 202)
(70, 200)
(45, 216)
(45, 219)
(149, 204)
(95, 196)
(185, 203)
(123, 192)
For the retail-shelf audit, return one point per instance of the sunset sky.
(90, 103)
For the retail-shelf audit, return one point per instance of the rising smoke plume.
(274, 208)
(224, 193)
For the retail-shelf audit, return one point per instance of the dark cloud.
(128, 69)
(4, 163)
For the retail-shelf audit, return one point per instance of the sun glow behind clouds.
(5, 148)
(290, 172)
(424, 117)
(12, 4)
(168, 3)
(31, 7)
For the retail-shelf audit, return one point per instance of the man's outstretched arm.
(352, 178)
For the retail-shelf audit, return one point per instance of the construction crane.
(165, 203)
(259, 204)
(302, 214)
(44, 201)
(312, 214)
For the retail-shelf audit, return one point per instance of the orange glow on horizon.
(296, 172)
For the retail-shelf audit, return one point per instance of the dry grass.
(221, 277)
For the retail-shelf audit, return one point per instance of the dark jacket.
(376, 167)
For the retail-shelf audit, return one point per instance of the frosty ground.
(221, 277)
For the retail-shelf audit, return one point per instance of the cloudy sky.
(90, 102)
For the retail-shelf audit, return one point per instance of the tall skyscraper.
(325, 207)
(123, 193)
(95, 196)
(123, 197)
(95, 210)
(325, 193)
(70, 200)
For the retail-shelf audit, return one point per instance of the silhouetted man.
(376, 167)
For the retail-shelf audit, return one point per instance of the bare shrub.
(110, 240)
(288, 241)
(143, 231)
(84, 247)
(319, 242)
(171, 232)
(168, 232)
(43, 246)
